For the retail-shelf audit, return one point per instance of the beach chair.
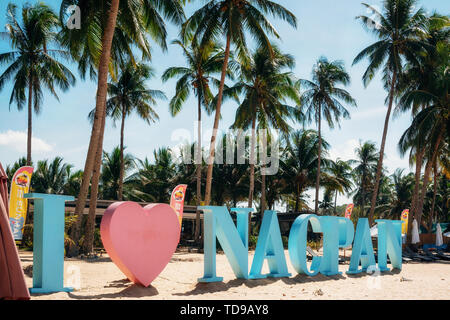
(312, 254)
(413, 257)
(430, 255)
(416, 256)
(406, 259)
(443, 255)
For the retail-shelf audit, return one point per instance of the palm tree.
(154, 181)
(327, 203)
(431, 125)
(127, 94)
(231, 180)
(32, 64)
(400, 199)
(51, 177)
(266, 87)
(93, 47)
(323, 98)
(341, 178)
(398, 32)
(203, 62)
(366, 164)
(73, 184)
(423, 82)
(233, 18)
(113, 164)
(301, 163)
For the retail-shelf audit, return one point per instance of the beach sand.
(101, 279)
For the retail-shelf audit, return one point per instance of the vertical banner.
(404, 218)
(177, 200)
(20, 185)
(348, 211)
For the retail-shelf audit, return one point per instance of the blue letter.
(389, 242)
(218, 223)
(330, 261)
(346, 232)
(48, 243)
(297, 244)
(362, 248)
(270, 247)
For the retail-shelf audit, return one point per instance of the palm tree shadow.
(133, 291)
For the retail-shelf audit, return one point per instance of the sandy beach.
(101, 279)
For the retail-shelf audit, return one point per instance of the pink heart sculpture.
(140, 241)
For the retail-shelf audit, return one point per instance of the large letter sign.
(141, 242)
(270, 247)
(297, 244)
(389, 243)
(330, 261)
(48, 242)
(218, 223)
(362, 248)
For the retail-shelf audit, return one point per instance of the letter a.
(362, 248)
(270, 247)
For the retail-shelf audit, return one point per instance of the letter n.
(234, 241)
(389, 243)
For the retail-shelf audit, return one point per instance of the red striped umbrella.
(12, 279)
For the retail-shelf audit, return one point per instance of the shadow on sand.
(133, 291)
(202, 288)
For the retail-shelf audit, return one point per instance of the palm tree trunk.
(335, 203)
(426, 178)
(212, 146)
(383, 143)
(252, 163)
(199, 169)
(100, 114)
(419, 160)
(263, 176)
(420, 201)
(316, 210)
(252, 171)
(88, 243)
(29, 215)
(436, 173)
(30, 121)
(122, 164)
(363, 197)
(297, 198)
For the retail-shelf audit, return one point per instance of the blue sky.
(326, 27)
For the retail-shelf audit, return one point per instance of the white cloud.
(18, 141)
(344, 151)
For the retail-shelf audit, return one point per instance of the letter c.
(298, 241)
